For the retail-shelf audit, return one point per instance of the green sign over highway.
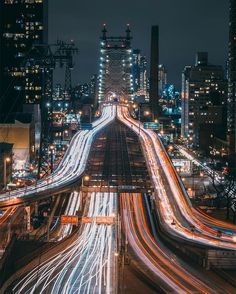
(151, 125)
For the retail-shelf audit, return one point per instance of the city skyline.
(203, 31)
(118, 146)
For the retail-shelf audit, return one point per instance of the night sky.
(186, 26)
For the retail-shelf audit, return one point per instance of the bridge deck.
(116, 162)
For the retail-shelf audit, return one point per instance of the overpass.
(117, 170)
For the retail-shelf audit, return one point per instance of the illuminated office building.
(22, 24)
(204, 96)
(154, 64)
(231, 117)
(162, 79)
(136, 69)
(139, 73)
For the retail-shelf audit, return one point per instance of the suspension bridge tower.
(115, 78)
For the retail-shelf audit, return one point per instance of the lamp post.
(139, 119)
(6, 160)
(139, 115)
(90, 113)
(174, 132)
(162, 129)
(51, 147)
(80, 118)
(85, 178)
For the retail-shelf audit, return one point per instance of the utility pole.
(47, 57)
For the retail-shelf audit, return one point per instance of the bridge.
(119, 207)
(115, 78)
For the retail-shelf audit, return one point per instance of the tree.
(226, 193)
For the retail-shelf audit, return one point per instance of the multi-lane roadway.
(174, 275)
(174, 207)
(71, 167)
(88, 264)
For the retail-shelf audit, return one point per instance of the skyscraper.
(136, 69)
(231, 117)
(185, 101)
(22, 24)
(139, 72)
(93, 89)
(204, 95)
(154, 72)
(162, 78)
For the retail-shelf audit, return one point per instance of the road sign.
(86, 220)
(104, 220)
(127, 188)
(69, 219)
(151, 125)
(86, 126)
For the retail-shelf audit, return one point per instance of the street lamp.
(139, 115)
(6, 160)
(51, 147)
(171, 148)
(90, 114)
(147, 113)
(174, 128)
(85, 178)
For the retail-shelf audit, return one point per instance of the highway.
(72, 165)
(11, 222)
(184, 151)
(218, 178)
(7, 214)
(174, 206)
(87, 265)
(173, 274)
(71, 209)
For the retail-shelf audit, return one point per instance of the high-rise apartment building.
(204, 96)
(231, 117)
(93, 88)
(22, 24)
(139, 75)
(143, 77)
(136, 69)
(162, 78)
(155, 108)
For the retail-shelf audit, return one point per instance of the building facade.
(24, 133)
(231, 117)
(204, 97)
(136, 69)
(154, 63)
(5, 163)
(139, 75)
(162, 79)
(22, 24)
